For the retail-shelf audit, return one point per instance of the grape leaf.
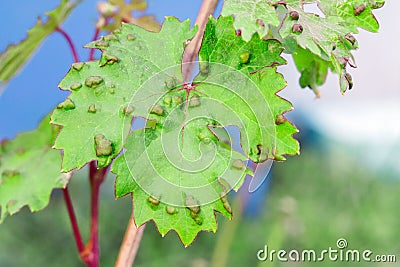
(178, 156)
(251, 16)
(15, 56)
(356, 13)
(97, 115)
(221, 45)
(328, 37)
(124, 14)
(312, 68)
(29, 170)
(162, 185)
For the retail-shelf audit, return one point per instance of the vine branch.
(70, 43)
(104, 22)
(192, 50)
(74, 222)
(130, 243)
(95, 37)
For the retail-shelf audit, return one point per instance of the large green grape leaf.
(163, 185)
(328, 37)
(179, 160)
(251, 16)
(15, 56)
(97, 115)
(30, 170)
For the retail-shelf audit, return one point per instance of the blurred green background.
(314, 199)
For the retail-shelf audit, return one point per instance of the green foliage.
(181, 165)
(175, 198)
(15, 56)
(121, 11)
(164, 164)
(30, 170)
(160, 182)
(100, 102)
(328, 38)
(251, 16)
(313, 69)
(253, 100)
(357, 13)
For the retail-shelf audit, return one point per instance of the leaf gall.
(157, 110)
(297, 28)
(171, 210)
(358, 9)
(244, 57)
(153, 200)
(78, 66)
(93, 81)
(103, 146)
(66, 105)
(92, 109)
(194, 101)
(294, 15)
(75, 86)
(238, 164)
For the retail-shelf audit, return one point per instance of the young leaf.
(101, 92)
(251, 16)
(29, 170)
(313, 69)
(124, 14)
(15, 56)
(329, 37)
(179, 156)
(356, 13)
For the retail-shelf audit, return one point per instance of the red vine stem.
(91, 253)
(72, 218)
(70, 43)
(95, 37)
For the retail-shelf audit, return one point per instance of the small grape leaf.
(356, 13)
(30, 170)
(97, 115)
(15, 56)
(178, 156)
(251, 16)
(312, 68)
(124, 14)
(328, 37)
